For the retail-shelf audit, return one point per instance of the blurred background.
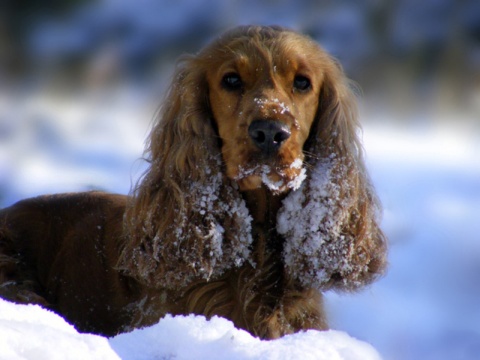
(80, 81)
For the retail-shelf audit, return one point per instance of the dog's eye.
(301, 83)
(232, 81)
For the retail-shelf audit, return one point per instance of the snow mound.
(30, 332)
(194, 337)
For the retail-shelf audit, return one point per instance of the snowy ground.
(29, 332)
(428, 177)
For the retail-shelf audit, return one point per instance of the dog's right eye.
(232, 81)
(301, 83)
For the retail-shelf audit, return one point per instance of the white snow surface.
(30, 332)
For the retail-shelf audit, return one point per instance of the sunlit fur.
(199, 232)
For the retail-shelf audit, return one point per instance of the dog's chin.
(277, 182)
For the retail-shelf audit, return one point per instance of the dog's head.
(259, 106)
(264, 87)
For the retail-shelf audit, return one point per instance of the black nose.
(268, 135)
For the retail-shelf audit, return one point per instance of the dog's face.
(264, 98)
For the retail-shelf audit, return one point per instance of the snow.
(308, 237)
(211, 208)
(193, 337)
(265, 173)
(283, 108)
(30, 332)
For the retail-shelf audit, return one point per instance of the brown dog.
(255, 200)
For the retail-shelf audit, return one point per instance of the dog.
(256, 200)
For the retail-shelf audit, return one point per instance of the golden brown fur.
(211, 227)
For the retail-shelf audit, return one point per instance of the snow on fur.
(315, 248)
(210, 233)
(264, 172)
(214, 209)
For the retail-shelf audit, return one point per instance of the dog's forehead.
(254, 57)
(259, 59)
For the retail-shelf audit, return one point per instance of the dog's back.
(46, 247)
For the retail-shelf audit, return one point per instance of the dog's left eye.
(301, 83)
(232, 81)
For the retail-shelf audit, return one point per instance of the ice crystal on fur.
(315, 248)
(213, 211)
(264, 172)
(283, 107)
(211, 229)
(297, 182)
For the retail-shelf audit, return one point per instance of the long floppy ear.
(330, 223)
(185, 220)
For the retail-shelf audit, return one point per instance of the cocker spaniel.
(255, 200)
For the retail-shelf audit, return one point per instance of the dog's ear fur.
(331, 222)
(185, 220)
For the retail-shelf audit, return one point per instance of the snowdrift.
(30, 332)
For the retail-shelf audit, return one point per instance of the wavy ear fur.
(185, 220)
(330, 222)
